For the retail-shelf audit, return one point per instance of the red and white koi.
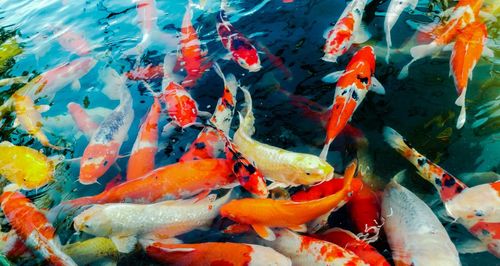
(124, 223)
(351, 242)
(469, 45)
(347, 30)
(142, 158)
(476, 207)
(180, 106)
(415, 234)
(239, 46)
(306, 250)
(102, 150)
(192, 57)
(33, 228)
(214, 253)
(351, 89)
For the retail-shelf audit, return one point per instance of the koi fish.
(98, 249)
(467, 50)
(285, 168)
(414, 233)
(179, 180)
(464, 13)
(33, 228)
(351, 242)
(8, 50)
(29, 118)
(147, 17)
(396, 7)
(306, 250)
(49, 83)
(142, 158)
(82, 120)
(352, 86)
(192, 57)
(124, 223)
(214, 253)
(102, 150)
(323, 190)
(147, 73)
(239, 46)
(364, 209)
(476, 208)
(346, 31)
(72, 41)
(25, 167)
(180, 106)
(283, 213)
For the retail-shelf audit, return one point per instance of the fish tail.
(247, 122)
(396, 141)
(324, 153)
(421, 51)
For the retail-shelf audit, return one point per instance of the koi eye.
(307, 173)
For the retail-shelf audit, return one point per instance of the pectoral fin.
(302, 228)
(264, 232)
(377, 87)
(75, 85)
(124, 244)
(332, 77)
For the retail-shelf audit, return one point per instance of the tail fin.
(421, 51)
(396, 141)
(324, 153)
(389, 44)
(462, 116)
(247, 122)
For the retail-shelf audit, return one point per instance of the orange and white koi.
(102, 150)
(306, 250)
(283, 213)
(469, 46)
(284, 167)
(50, 82)
(124, 223)
(476, 207)
(351, 89)
(239, 46)
(214, 253)
(346, 31)
(192, 57)
(415, 234)
(180, 106)
(351, 242)
(82, 120)
(464, 13)
(29, 118)
(179, 180)
(142, 158)
(209, 143)
(33, 228)
(72, 41)
(147, 17)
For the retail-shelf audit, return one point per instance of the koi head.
(245, 54)
(93, 221)
(96, 160)
(313, 168)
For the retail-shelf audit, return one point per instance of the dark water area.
(420, 107)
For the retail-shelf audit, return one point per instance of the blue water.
(294, 33)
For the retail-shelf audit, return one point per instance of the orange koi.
(364, 209)
(283, 213)
(467, 50)
(214, 253)
(33, 228)
(352, 243)
(181, 107)
(142, 158)
(179, 180)
(351, 89)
